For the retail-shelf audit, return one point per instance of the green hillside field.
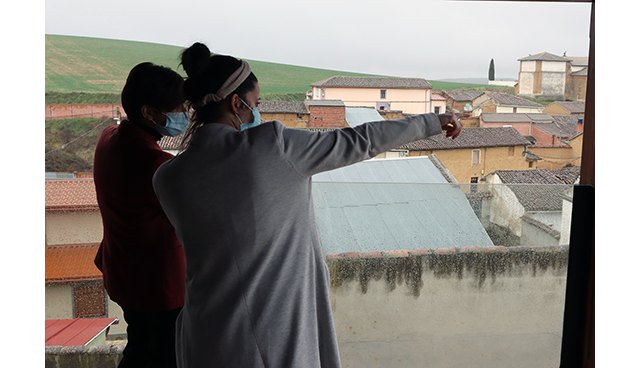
(93, 70)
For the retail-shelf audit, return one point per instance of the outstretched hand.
(450, 123)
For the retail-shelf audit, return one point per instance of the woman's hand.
(450, 123)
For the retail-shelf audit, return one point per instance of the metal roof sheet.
(360, 115)
(387, 204)
(75, 332)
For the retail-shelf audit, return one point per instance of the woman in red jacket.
(140, 257)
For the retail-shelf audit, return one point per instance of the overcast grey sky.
(431, 39)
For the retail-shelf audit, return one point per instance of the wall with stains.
(469, 307)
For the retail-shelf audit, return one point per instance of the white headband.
(231, 84)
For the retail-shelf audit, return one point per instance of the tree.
(492, 71)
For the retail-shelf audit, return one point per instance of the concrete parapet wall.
(456, 307)
(470, 307)
(107, 356)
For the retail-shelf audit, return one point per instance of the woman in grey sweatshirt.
(239, 197)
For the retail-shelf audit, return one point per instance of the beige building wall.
(410, 101)
(58, 300)
(510, 318)
(441, 104)
(291, 120)
(554, 158)
(77, 227)
(519, 110)
(556, 109)
(526, 77)
(459, 161)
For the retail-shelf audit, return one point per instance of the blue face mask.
(256, 118)
(177, 123)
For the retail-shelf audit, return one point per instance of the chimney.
(326, 113)
(580, 125)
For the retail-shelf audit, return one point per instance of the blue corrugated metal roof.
(381, 205)
(360, 115)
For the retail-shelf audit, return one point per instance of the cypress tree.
(492, 71)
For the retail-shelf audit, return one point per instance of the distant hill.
(95, 69)
(94, 65)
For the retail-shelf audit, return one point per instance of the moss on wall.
(481, 263)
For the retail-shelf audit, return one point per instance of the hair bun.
(195, 58)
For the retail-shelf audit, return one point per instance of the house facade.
(530, 204)
(565, 108)
(475, 152)
(293, 114)
(498, 102)
(73, 231)
(556, 157)
(459, 100)
(409, 95)
(552, 77)
(521, 122)
(439, 103)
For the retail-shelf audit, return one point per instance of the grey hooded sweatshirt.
(257, 286)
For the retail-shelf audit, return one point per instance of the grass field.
(83, 64)
(93, 70)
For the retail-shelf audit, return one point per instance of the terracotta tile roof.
(70, 195)
(538, 189)
(544, 56)
(583, 72)
(437, 97)
(517, 117)
(471, 138)
(71, 262)
(295, 107)
(457, 95)
(335, 103)
(579, 60)
(373, 82)
(558, 128)
(510, 100)
(75, 332)
(572, 106)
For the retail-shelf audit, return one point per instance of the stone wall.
(74, 111)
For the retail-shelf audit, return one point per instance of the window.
(383, 93)
(515, 109)
(436, 110)
(474, 184)
(512, 150)
(475, 157)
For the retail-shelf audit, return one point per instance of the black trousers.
(151, 338)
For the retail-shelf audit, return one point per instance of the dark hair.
(206, 73)
(153, 85)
